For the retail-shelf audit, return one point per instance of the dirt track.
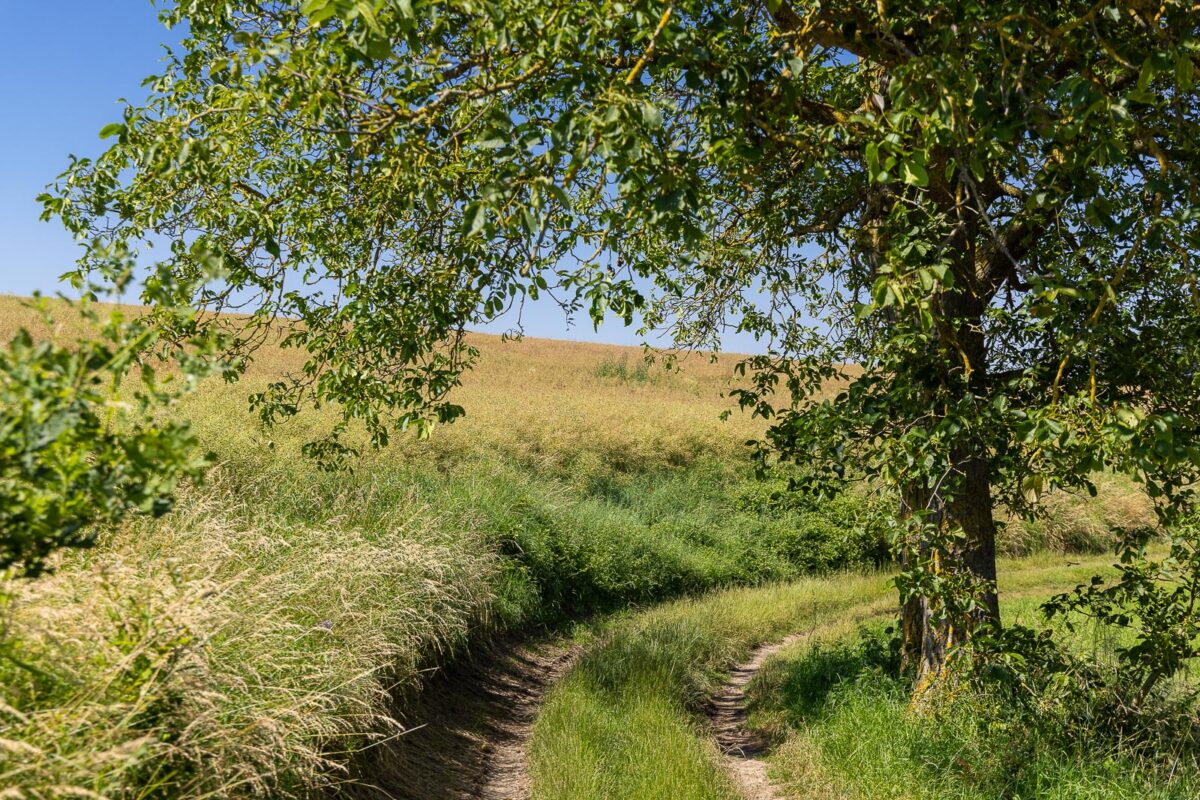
(740, 748)
(469, 729)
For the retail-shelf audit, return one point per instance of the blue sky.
(66, 64)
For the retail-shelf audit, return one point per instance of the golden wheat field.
(540, 399)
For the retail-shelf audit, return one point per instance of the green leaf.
(651, 115)
(317, 11)
(914, 173)
(1185, 72)
(492, 141)
(367, 12)
(112, 129)
(871, 153)
(559, 194)
(474, 219)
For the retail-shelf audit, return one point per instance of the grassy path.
(628, 721)
(741, 746)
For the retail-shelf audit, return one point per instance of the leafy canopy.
(990, 207)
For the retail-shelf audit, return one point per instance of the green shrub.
(1132, 692)
(620, 370)
(74, 455)
(969, 742)
(845, 532)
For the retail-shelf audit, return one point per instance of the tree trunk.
(972, 510)
(926, 639)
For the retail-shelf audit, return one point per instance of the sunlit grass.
(249, 641)
(594, 741)
(846, 726)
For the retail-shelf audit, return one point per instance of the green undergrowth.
(846, 729)
(249, 643)
(567, 545)
(625, 722)
(631, 710)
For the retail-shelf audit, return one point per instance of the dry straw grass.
(1072, 523)
(227, 653)
(544, 402)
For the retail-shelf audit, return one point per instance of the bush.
(72, 457)
(968, 741)
(848, 531)
(1127, 693)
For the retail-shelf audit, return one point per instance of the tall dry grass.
(545, 402)
(231, 652)
(247, 643)
(1075, 523)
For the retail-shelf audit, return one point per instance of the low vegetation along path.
(740, 747)
(493, 727)
(473, 723)
(516, 691)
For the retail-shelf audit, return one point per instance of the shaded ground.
(741, 748)
(469, 729)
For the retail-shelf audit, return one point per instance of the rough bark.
(926, 639)
(971, 506)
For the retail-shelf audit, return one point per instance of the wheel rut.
(741, 749)
(506, 764)
(468, 729)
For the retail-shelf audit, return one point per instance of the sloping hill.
(252, 641)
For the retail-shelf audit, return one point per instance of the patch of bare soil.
(469, 729)
(740, 747)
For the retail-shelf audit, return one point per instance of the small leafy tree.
(990, 208)
(75, 453)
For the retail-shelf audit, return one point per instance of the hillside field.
(251, 641)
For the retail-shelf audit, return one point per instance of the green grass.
(849, 731)
(250, 642)
(860, 739)
(632, 705)
(628, 711)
